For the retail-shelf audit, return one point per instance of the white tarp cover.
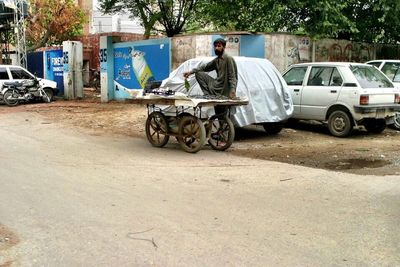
(258, 80)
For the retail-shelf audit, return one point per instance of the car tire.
(340, 123)
(50, 93)
(273, 127)
(375, 126)
(396, 124)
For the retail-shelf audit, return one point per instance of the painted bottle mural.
(141, 68)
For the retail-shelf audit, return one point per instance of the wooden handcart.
(191, 129)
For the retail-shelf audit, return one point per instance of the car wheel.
(340, 123)
(396, 124)
(49, 92)
(375, 126)
(273, 127)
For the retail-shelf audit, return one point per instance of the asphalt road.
(72, 199)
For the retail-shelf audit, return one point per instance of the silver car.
(343, 95)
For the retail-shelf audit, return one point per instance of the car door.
(294, 79)
(320, 91)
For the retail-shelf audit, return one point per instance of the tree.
(316, 18)
(376, 21)
(368, 20)
(228, 15)
(145, 10)
(52, 22)
(171, 14)
(174, 14)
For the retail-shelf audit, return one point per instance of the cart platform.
(180, 100)
(190, 130)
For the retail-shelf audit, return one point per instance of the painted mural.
(135, 64)
(343, 51)
(298, 50)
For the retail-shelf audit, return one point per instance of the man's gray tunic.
(226, 80)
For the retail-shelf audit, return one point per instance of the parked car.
(343, 95)
(391, 68)
(11, 73)
(270, 103)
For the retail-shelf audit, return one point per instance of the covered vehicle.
(270, 102)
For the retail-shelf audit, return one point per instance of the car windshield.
(370, 77)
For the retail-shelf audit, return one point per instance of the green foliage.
(52, 22)
(359, 20)
(376, 21)
(367, 20)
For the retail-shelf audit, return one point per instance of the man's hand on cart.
(187, 74)
(232, 95)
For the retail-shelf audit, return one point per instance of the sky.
(94, 4)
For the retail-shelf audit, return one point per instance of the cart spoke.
(192, 134)
(156, 129)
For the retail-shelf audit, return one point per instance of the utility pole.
(19, 21)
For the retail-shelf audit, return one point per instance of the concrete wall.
(343, 50)
(284, 50)
(187, 47)
(281, 49)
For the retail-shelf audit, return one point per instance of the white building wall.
(113, 23)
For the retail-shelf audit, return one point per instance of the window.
(376, 63)
(336, 79)
(324, 76)
(18, 73)
(3, 74)
(392, 70)
(370, 77)
(295, 76)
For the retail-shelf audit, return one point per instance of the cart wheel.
(221, 133)
(192, 134)
(156, 129)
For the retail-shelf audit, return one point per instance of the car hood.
(47, 83)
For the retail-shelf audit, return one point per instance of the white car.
(343, 94)
(11, 73)
(391, 68)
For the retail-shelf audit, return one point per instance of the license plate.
(380, 113)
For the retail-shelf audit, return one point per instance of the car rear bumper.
(377, 108)
(375, 111)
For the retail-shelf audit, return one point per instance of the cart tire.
(192, 134)
(221, 133)
(156, 129)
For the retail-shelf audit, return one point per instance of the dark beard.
(218, 53)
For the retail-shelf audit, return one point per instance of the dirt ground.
(307, 144)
